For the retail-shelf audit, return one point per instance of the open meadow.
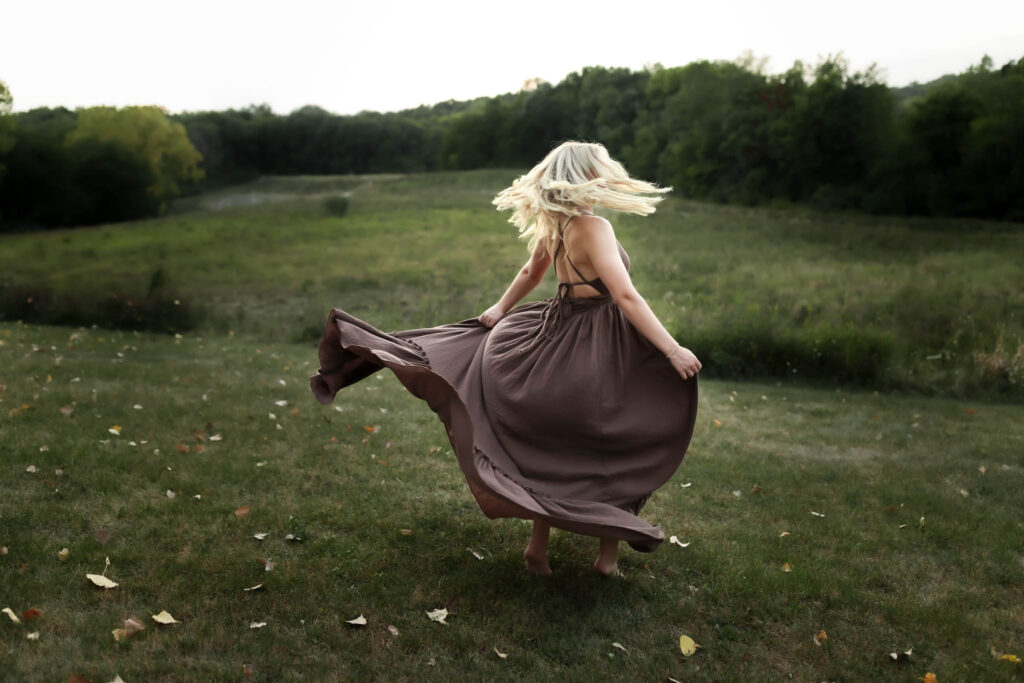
(852, 492)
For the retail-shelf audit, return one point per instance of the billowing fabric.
(562, 411)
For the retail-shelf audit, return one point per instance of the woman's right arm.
(597, 239)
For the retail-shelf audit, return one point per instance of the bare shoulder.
(593, 228)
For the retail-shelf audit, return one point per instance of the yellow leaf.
(929, 678)
(820, 637)
(63, 554)
(1010, 658)
(786, 567)
(115, 430)
(718, 423)
(165, 618)
(687, 646)
(101, 581)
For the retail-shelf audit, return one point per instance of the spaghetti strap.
(600, 286)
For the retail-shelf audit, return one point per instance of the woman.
(568, 411)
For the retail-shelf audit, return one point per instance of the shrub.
(336, 205)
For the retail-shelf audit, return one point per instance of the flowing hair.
(573, 175)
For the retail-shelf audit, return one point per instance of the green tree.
(147, 132)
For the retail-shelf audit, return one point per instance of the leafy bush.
(336, 205)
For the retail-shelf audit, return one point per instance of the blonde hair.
(573, 175)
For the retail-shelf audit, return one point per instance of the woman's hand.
(491, 316)
(685, 363)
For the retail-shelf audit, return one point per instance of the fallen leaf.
(216, 437)
(929, 678)
(687, 646)
(686, 485)
(132, 625)
(372, 429)
(63, 554)
(280, 404)
(267, 564)
(439, 615)
(170, 494)
(10, 613)
(756, 489)
(116, 430)
(675, 539)
(242, 512)
(500, 653)
(101, 581)
(260, 536)
(817, 514)
(981, 468)
(820, 637)
(358, 621)
(181, 448)
(393, 630)
(405, 532)
(1010, 658)
(31, 613)
(66, 411)
(165, 618)
(32, 636)
(257, 624)
(475, 554)
(3, 550)
(784, 533)
(253, 588)
(786, 567)
(31, 469)
(718, 423)
(620, 646)
(117, 679)
(900, 657)
(293, 538)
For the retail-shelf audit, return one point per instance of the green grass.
(910, 304)
(918, 548)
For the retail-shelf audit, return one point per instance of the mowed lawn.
(891, 523)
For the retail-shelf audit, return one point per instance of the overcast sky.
(387, 55)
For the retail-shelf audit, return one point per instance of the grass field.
(909, 304)
(919, 544)
(888, 519)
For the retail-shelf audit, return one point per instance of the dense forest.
(723, 131)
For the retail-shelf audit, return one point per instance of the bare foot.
(537, 563)
(608, 557)
(536, 552)
(607, 568)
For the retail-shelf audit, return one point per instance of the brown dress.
(562, 411)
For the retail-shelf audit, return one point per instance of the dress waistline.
(558, 308)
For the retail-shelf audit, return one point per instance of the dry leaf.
(117, 679)
(63, 554)
(475, 554)
(242, 512)
(439, 615)
(31, 613)
(257, 624)
(132, 625)
(358, 621)
(900, 657)
(32, 636)
(929, 678)
(820, 637)
(253, 588)
(784, 533)
(10, 613)
(1010, 658)
(216, 437)
(393, 630)
(260, 536)
(372, 429)
(101, 581)
(115, 430)
(675, 539)
(718, 423)
(405, 532)
(786, 567)
(817, 514)
(293, 538)
(687, 646)
(500, 653)
(165, 618)
(31, 469)
(66, 411)
(620, 646)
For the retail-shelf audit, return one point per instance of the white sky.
(387, 55)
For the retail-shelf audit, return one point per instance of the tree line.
(723, 131)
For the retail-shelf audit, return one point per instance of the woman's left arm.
(528, 277)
